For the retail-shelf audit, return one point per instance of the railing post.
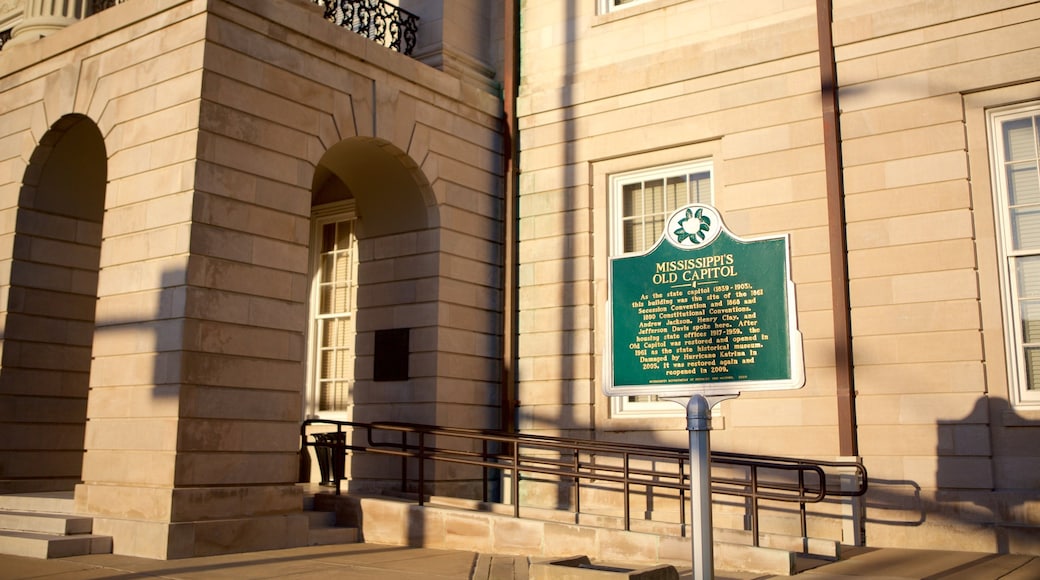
(576, 466)
(516, 480)
(404, 461)
(682, 500)
(484, 469)
(801, 504)
(628, 508)
(422, 467)
(853, 531)
(754, 505)
(340, 457)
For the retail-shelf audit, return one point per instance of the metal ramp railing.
(579, 462)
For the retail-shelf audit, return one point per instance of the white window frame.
(1019, 392)
(320, 216)
(625, 407)
(607, 6)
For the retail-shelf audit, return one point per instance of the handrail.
(579, 460)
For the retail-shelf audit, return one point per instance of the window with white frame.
(333, 301)
(641, 202)
(1015, 142)
(612, 5)
(609, 5)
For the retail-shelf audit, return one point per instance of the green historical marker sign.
(704, 312)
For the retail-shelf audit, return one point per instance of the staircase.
(324, 527)
(43, 525)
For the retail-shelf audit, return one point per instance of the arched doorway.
(374, 296)
(50, 308)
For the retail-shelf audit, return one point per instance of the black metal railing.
(377, 20)
(578, 463)
(99, 5)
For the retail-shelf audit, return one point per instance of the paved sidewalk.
(373, 561)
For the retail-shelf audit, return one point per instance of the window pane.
(328, 238)
(1023, 183)
(676, 193)
(334, 396)
(1032, 369)
(654, 196)
(632, 200)
(654, 229)
(1031, 321)
(1019, 140)
(1028, 273)
(632, 236)
(1025, 226)
(700, 187)
(344, 235)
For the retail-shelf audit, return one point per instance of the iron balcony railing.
(377, 20)
(99, 5)
(577, 463)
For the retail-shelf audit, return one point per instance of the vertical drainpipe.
(510, 240)
(839, 264)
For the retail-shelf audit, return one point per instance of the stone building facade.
(208, 204)
(221, 217)
(895, 141)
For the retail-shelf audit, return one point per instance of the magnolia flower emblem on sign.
(696, 225)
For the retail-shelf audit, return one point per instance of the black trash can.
(330, 459)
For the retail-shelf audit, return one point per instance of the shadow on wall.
(985, 478)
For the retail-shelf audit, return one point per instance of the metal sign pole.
(698, 422)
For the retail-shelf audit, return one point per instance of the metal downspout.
(510, 262)
(839, 264)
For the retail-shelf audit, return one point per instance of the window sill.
(638, 9)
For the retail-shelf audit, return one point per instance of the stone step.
(35, 545)
(45, 523)
(819, 547)
(321, 519)
(55, 502)
(324, 529)
(326, 536)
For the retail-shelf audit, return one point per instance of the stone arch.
(397, 288)
(397, 248)
(50, 308)
(391, 192)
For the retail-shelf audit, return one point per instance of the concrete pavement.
(382, 562)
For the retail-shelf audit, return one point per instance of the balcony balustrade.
(99, 5)
(377, 20)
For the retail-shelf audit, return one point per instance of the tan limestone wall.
(439, 136)
(667, 81)
(932, 402)
(126, 98)
(213, 123)
(739, 89)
